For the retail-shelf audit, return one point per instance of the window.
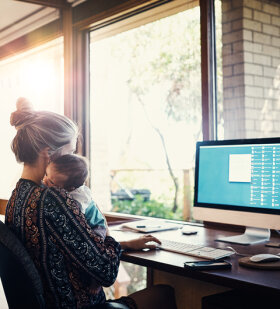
(146, 114)
(248, 42)
(37, 75)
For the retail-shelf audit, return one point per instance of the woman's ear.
(44, 153)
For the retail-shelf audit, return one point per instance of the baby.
(70, 172)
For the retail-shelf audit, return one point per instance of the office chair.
(20, 279)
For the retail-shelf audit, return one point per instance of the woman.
(73, 261)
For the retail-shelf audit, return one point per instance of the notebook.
(149, 226)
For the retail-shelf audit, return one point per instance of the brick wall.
(251, 68)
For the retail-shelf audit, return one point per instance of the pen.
(144, 226)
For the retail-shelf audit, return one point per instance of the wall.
(251, 68)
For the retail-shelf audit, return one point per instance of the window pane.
(249, 44)
(146, 116)
(38, 76)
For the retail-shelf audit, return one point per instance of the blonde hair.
(37, 130)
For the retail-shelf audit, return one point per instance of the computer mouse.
(264, 258)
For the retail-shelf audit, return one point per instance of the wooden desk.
(190, 286)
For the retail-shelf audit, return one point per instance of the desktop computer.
(238, 182)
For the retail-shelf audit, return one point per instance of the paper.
(240, 168)
(149, 226)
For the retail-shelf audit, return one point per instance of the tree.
(164, 56)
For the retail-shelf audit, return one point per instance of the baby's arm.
(105, 221)
(96, 219)
(93, 214)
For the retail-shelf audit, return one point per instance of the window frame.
(208, 62)
(101, 21)
(122, 11)
(74, 25)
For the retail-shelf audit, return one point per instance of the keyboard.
(197, 250)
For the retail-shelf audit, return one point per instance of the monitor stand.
(250, 237)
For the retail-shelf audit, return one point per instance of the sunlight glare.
(38, 78)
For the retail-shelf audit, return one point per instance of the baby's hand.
(46, 182)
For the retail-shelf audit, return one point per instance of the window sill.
(114, 218)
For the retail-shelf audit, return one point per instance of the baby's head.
(69, 172)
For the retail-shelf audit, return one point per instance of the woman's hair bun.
(23, 113)
(24, 105)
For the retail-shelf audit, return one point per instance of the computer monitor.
(238, 182)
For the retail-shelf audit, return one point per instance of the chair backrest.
(20, 279)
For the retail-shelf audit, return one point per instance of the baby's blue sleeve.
(94, 216)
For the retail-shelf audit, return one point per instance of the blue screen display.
(240, 175)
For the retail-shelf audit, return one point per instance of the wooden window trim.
(31, 40)
(81, 89)
(208, 70)
(67, 30)
(88, 13)
(116, 24)
(51, 3)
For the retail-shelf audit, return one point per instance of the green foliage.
(149, 208)
(171, 49)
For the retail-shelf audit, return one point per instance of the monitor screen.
(241, 175)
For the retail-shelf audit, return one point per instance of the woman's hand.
(140, 243)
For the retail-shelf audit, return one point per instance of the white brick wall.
(247, 13)
(262, 17)
(238, 69)
(275, 21)
(261, 38)
(275, 42)
(252, 47)
(252, 25)
(262, 59)
(252, 4)
(271, 8)
(251, 56)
